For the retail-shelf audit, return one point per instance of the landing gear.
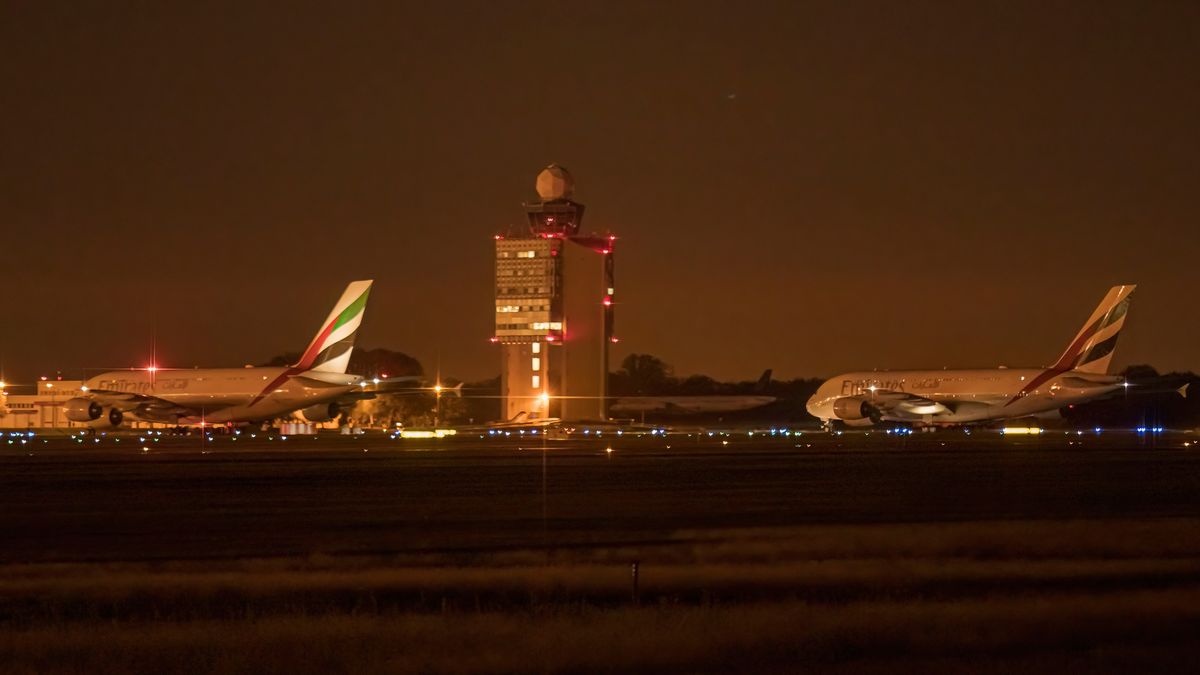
(873, 413)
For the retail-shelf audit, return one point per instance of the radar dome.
(555, 182)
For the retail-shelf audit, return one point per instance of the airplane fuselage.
(229, 394)
(965, 396)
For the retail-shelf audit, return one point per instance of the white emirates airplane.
(951, 397)
(317, 385)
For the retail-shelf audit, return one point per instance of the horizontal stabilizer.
(1077, 382)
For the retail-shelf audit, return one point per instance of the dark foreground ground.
(942, 552)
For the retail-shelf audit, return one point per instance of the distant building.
(554, 309)
(42, 407)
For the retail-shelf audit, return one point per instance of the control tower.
(554, 309)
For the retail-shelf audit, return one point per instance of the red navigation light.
(550, 338)
(384, 376)
(497, 237)
(493, 339)
(607, 301)
(614, 339)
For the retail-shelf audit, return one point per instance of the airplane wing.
(903, 405)
(150, 408)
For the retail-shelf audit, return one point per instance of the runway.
(185, 499)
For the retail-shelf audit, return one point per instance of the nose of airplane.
(812, 407)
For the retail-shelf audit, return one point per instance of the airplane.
(317, 385)
(694, 405)
(930, 398)
(520, 422)
(523, 420)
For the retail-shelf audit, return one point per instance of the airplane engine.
(322, 412)
(83, 410)
(855, 408)
(109, 419)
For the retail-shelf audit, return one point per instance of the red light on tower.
(607, 301)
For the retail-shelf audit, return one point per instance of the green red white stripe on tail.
(1092, 349)
(329, 351)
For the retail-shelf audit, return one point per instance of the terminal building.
(39, 407)
(554, 309)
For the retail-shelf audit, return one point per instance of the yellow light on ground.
(428, 433)
(544, 398)
(1021, 431)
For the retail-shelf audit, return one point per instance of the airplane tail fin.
(763, 381)
(329, 351)
(1092, 349)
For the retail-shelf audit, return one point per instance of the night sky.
(808, 187)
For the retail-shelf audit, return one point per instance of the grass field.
(990, 597)
(1032, 557)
